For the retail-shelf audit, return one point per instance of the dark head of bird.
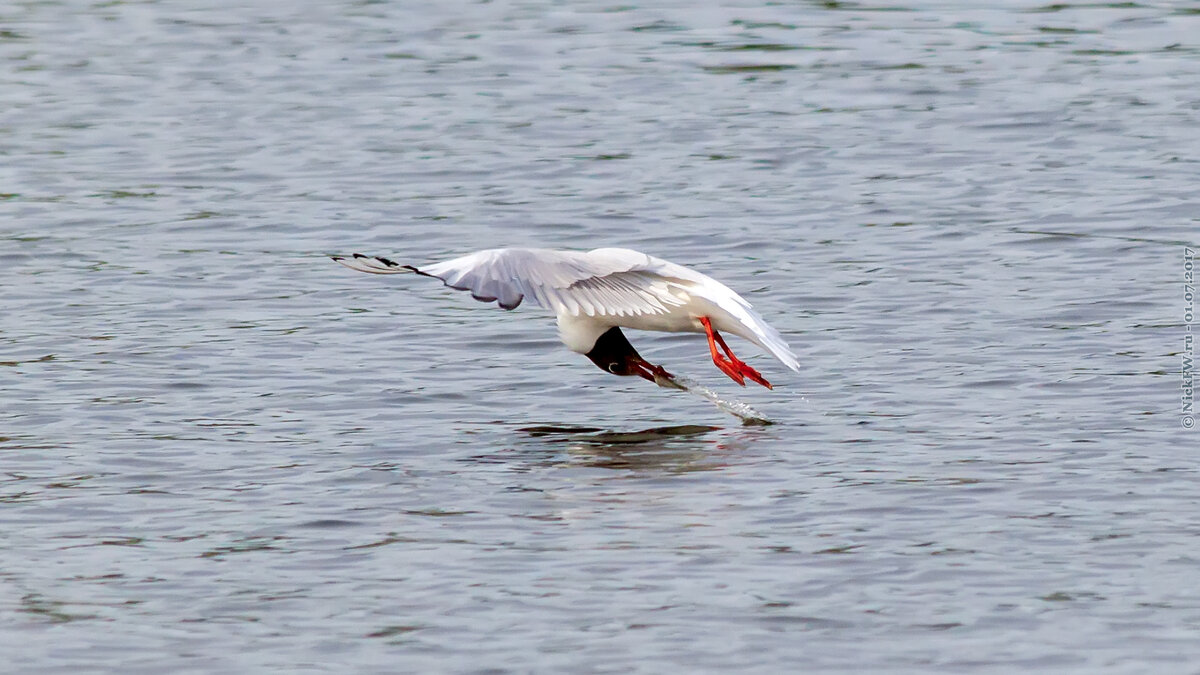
(612, 353)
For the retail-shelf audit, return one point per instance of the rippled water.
(223, 452)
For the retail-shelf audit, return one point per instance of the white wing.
(613, 282)
(605, 282)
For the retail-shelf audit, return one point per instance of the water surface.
(223, 452)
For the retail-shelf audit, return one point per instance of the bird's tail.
(373, 264)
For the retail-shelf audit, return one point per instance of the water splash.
(748, 415)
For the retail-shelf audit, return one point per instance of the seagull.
(597, 293)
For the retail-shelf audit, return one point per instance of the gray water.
(222, 452)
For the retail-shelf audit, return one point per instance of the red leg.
(724, 347)
(734, 367)
(724, 364)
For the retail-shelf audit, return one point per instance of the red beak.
(656, 374)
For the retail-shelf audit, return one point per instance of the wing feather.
(610, 283)
(372, 264)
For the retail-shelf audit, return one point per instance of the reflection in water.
(673, 449)
(598, 435)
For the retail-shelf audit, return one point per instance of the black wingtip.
(359, 256)
(512, 306)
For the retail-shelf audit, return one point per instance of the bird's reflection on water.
(602, 436)
(673, 449)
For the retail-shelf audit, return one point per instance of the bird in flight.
(597, 293)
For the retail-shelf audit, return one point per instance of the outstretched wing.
(606, 282)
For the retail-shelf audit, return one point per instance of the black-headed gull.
(597, 293)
